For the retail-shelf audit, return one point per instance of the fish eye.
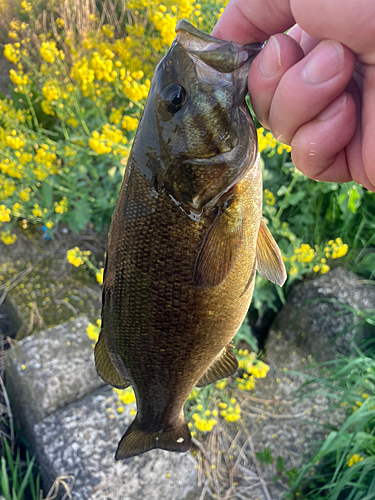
(175, 98)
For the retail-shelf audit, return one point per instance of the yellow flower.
(7, 238)
(115, 116)
(49, 51)
(269, 197)
(354, 459)
(50, 92)
(93, 332)
(324, 269)
(129, 123)
(73, 122)
(24, 195)
(316, 269)
(339, 250)
(126, 396)
(259, 369)
(36, 211)
(221, 383)
(15, 142)
(61, 207)
(99, 276)
(18, 78)
(11, 53)
(47, 109)
(74, 256)
(59, 22)
(108, 30)
(293, 270)
(26, 6)
(4, 214)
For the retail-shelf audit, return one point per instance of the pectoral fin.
(223, 367)
(105, 367)
(219, 250)
(269, 261)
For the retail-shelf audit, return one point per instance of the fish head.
(206, 137)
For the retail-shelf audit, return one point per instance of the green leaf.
(80, 216)
(295, 198)
(46, 194)
(292, 475)
(282, 190)
(4, 482)
(265, 456)
(280, 464)
(25, 479)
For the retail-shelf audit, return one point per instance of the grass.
(344, 466)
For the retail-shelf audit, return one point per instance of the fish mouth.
(230, 60)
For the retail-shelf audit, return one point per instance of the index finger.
(249, 21)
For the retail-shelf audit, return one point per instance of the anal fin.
(222, 367)
(135, 441)
(105, 368)
(269, 260)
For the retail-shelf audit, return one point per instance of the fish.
(186, 239)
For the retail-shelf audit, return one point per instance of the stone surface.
(81, 440)
(289, 427)
(306, 329)
(70, 419)
(51, 369)
(318, 318)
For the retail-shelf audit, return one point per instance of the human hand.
(315, 87)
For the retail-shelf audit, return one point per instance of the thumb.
(249, 21)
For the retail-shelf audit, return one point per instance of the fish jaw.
(231, 60)
(202, 150)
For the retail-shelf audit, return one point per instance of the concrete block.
(51, 369)
(81, 440)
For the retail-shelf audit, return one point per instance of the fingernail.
(333, 109)
(325, 62)
(270, 62)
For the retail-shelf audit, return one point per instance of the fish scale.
(184, 241)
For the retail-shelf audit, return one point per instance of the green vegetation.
(344, 465)
(17, 476)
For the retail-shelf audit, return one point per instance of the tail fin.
(134, 441)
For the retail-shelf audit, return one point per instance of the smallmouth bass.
(186, 239)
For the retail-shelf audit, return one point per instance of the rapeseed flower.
(4, 213)
(76, 256)
(269, 197)
(129, 123)
(99, 276)
(354, 459)
(7, 238)
(50, 92)
(62, 206)
(11, 53)
(267, 141)
(126, 396)
(49, 51)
